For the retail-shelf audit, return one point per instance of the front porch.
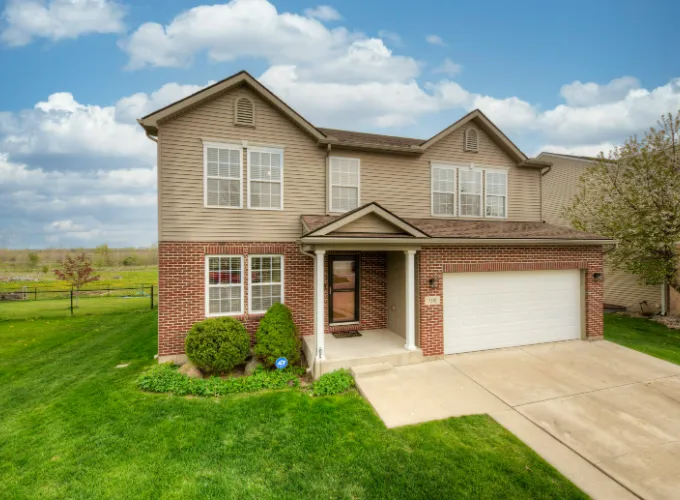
(372, 347)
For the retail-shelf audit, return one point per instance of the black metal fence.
(32, 297)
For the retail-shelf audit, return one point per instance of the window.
(265, 179)
(266, 282)
(344, 184)
(471, 140)
(496, 185)
(244, 112)
(443, 190)
(470, 193)
(224, 285)
(223, 168)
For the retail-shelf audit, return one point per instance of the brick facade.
(182, 284)
(434, 261)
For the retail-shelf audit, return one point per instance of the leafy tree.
(103, 253)
(33, 258)
(633, 196)
(77, 271)
(130, 260)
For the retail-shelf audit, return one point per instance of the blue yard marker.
(281, 363)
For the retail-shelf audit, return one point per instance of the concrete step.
(368, 370)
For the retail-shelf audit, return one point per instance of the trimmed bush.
(217, 345)
(277, 336)
(335, 382)
(166, 378)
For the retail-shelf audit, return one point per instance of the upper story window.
(471, 140)
(244, 112)
(224, 285)
(344, 184)
(443, 190)
(265, 178)
(474, 192)
(223, 173)
(496, 184)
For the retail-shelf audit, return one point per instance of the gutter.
(315, 240)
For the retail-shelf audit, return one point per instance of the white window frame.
(207, 286)
(259, 149)
(221, 145)
(250, 281)
(488, 171)
(455, 168)
(330, 183)
(481, 192)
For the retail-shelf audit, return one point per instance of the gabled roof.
(339, 138)
(242, 78)
(328, 225)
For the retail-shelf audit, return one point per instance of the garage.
(490, 310)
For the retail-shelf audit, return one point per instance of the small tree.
(633, 196)
(77, 271)
(33, 258)
(103, 253)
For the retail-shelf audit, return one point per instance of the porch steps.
(373, 369)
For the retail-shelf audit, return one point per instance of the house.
(424, 247)
(621, 289)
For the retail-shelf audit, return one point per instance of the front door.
(343, 282)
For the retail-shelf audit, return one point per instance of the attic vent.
(471, 140)
(245, 112)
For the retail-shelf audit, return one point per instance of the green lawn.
(60, 308)
(643, 335)
(74, 426)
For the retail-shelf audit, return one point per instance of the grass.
(72, 425)
(643, 335)
(119, 277)
(60, 308)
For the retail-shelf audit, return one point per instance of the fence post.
(152, 297)
(35, 293)
(71, 301)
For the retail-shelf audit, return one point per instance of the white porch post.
(319, 304)
(410, 300)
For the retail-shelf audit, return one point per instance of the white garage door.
(489, 310)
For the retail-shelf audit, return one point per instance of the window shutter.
(471, 140)
(245, 112)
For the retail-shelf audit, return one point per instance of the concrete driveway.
(597, 411)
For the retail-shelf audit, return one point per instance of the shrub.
(131, 260)
(217, 344)
(332, 383)
(277, 336)
(166, 378)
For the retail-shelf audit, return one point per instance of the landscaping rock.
(252, 366)
(123, 365)
(190, 370)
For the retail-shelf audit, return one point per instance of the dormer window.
(244, 114)
(471, 140)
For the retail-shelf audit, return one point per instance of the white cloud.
(323, 13)
(448, 67)
(25, 20)
(435, 40)
(64, 225)
(582, 150)
(589, 94)
(391, 36)
(128, 109)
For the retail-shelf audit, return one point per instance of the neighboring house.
(428, 247)
(560, 185)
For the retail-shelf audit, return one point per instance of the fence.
(36, 301)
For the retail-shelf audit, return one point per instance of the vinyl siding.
(400, 183)
(560, 186)
(370, 223)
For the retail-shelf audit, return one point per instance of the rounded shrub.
(277, 336)
(217, 345)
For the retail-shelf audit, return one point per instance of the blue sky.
(75, 170)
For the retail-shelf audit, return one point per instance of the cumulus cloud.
(140, 104)
(25, 20)
(583, 150)
(392, 37)
(448, 67)
(435, 40)
(324, 13)
(590, 94)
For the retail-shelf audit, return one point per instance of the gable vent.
(245, 112)
(471, 140)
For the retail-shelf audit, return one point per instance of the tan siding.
(370, 223)
(560, 186)
(400, 183)
(396, 293)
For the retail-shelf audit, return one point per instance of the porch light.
(598, 277)
(433, 282)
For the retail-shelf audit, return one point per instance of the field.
(120, 277)
(73, 425)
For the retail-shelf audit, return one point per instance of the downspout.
(326, 180)
(540, 191)
(154, 139)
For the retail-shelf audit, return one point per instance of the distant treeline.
(101, 256)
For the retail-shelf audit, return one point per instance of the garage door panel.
(502, 309)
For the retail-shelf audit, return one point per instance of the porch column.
(319, 304)
(410, 300)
